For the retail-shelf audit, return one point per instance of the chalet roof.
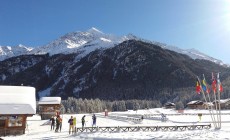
(209, 103)
(169, 104)
(49, 100)
(195, 103)
(17, 100)
(223, 101)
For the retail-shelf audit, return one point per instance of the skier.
(52, 123)
(83, 121)
(142, 117)
(57, 123)
(163, 117)
(74, 124)
(94, 120)
(199, 115)
(60, 121)
(70, 124)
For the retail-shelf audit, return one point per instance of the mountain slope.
(194, 54)
(136, 69)
(130, 70)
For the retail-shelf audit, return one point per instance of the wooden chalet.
(169, 105)
(196, 105)
(49, 106)
(16, 104)
(224, 103)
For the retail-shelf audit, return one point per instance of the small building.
(224, 103)
(196, 105)
(169, 105)
(16, 104)
(49, 106)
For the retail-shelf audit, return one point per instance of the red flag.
(219, 83)
(198, 88)
(220, 87)
(214, 85)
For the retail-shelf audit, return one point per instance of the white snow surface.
(49, 100)
(37, 128)
(17, 100)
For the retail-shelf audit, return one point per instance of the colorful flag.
(205, 86)
(213, 83)
(198, 89)
(220, 87)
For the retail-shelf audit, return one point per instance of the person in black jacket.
(60, 121)
(57, 123)
(52, 122)
(83, 121)
(94, 120)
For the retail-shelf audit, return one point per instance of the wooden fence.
(142, 128)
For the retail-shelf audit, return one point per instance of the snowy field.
(37, 130)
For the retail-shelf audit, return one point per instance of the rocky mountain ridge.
(85, 42)
(130, 70)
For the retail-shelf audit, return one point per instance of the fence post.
(97, 128)
(118, 129)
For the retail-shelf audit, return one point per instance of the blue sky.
(200, 24)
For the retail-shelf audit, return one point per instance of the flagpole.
(214, 118)
(215, 97)
(218, 85)
(206, 101)
(207, 88)
(217, 112)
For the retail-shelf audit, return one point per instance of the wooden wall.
(48, 110)
(12, 124)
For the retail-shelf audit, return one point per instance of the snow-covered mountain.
(88, 41)
(193, 53)
(8, 51)
(81, 42)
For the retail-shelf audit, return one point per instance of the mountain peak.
(89, 40)
(94, 31)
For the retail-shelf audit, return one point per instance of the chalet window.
(40, 108)
(15, 121)
(2, 123)
(49, 108)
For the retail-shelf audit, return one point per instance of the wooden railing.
(142, 128)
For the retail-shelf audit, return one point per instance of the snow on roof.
(194, 102)
(208, 103)
(17, 100)
(50, 100)
(224, 101)
(169, 103)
